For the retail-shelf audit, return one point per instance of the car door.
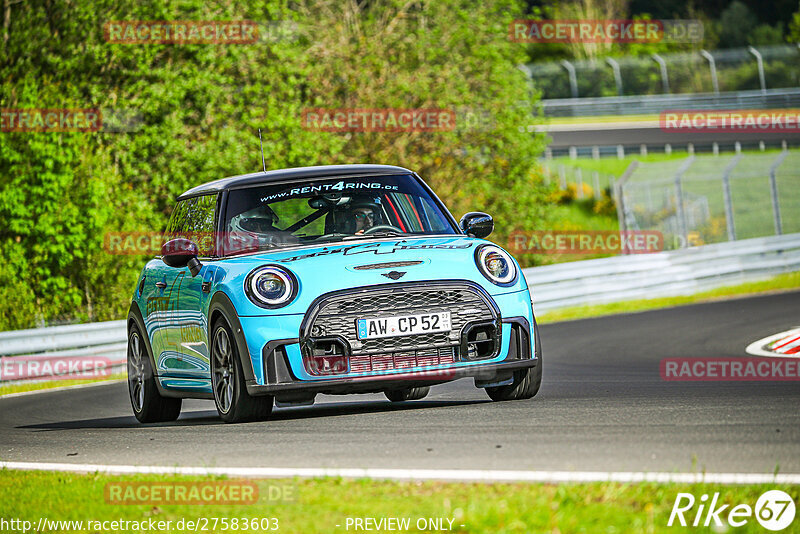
(160, 290)
(191, 295)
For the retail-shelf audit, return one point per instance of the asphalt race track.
(602, 407)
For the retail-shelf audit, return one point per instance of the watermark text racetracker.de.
(605, 31)
(586, 242)
(738, 120)
(378, 120)
(199, 493)
(730, 369)
(156, 243)
(44, 367)
(79, 120)
(204, 32)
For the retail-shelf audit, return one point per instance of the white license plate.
(403, 325)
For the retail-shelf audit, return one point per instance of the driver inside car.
(366, 214)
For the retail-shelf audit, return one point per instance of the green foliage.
(736, 24)
(794, 28)
(199, 106)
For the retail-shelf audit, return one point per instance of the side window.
(200, 222)
(178, 217)
(193, 218)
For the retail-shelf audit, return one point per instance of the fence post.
(760, 61)
(680, 213)
(618, 190)
(573, 80)
(562, 174)
(712, 65)
(617, 75)
(773, 186)
(726, 193)
(596, 183)
(664, 77)
(579, 179)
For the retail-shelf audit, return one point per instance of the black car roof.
(278, 175)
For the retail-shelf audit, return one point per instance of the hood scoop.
(386, 265)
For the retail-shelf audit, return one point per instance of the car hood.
(340, 266)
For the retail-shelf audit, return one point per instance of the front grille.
(402, 360)
(336, 315)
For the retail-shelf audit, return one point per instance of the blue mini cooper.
(276, 286)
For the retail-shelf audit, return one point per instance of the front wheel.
(234, 403)
(400, 395)
(147, 403)
(525, 385)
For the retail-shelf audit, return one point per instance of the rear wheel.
(147, 403)
(234, 403)
(400, 395)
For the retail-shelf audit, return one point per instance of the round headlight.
(271, 287)
(496, 265)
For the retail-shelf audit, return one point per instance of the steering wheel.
(380, 227)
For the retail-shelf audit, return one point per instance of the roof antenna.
(263, 162)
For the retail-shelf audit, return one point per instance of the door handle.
(161, 285)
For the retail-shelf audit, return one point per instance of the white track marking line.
(454, 475)
(755, 348)
(61, 388)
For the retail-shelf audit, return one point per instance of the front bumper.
(281, 382)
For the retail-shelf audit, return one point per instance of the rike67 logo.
(774, 510)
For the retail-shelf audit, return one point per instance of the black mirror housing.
(477, 224)
(181, 252)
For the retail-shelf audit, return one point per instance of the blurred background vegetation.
(198, 107)
(201, 106)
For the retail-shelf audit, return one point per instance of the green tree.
(794, 28)
(199, 107)
(736, 25)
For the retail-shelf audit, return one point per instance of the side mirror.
(181, 252)
(477, 224)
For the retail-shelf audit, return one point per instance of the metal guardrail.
(63, 351)
(654, 104)
(61, 337)
(679, 272)
(553, 286)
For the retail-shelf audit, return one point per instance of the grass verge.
(781, 282)
(50, 384)
(324, 505)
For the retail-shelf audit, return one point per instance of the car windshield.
(330, 210)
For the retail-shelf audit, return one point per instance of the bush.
(201, 105)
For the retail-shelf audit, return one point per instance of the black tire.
(147, 403)
(400, 395)
(526, 382)
(234, 403)
(525, 385)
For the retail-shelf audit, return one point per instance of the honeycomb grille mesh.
(338, 314)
